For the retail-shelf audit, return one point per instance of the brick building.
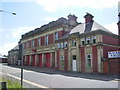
(13, 56)
(65, 44)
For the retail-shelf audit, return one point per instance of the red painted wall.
(66, 59)
(94, 58)
(110, 40)
(82, 52)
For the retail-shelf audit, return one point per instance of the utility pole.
(21, 60)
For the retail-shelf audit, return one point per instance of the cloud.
(2, 29)
(112, 27)
(17, 32)
(6, 47)
(49, 19)
(53, 5)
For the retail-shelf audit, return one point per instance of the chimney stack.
(72, 19)
(88, 17)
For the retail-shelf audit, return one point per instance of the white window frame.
(46, 40)
(88, 39)
(56, 35)
(88, 59)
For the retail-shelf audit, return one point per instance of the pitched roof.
(81, 28)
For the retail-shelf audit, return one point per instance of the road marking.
(35, 84)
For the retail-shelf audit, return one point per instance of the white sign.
(114, 54)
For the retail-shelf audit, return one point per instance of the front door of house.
(47, 59)
(74, 66)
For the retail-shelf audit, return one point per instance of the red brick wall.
(60, 34)
(66, 59)
(42, 40)
(30, 44)
(108, 66)
(106, 49)
(50, 41)
(105, 67)
(82, 59)
(35, 40)
(110, 40)
(114, 66)
(94, 58)
(88, 19)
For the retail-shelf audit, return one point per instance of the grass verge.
(10, 83)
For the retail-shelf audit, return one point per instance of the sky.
(31, 14)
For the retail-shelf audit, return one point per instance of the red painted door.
(47, 59)
(33, 60)
(23, 60)
(28, 60)
(40, 60)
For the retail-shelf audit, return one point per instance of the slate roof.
(92, 26)
(60, 21)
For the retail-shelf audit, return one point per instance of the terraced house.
(65, 44)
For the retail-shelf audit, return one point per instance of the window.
(65, 44)
(39, 41)
(62, 61)
(46, 40)
(94, 39)
(88, 40)
(23, 45)
(74, 43)
(27, 44)
(33, 43)
(58, 45)
(56, 35)
(62, 46)
(88, 57)
(74, 57)
(83, 41)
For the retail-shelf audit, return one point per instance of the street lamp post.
(8, 12)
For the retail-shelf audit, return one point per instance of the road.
(58, 79)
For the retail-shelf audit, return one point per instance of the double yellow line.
(32, 83)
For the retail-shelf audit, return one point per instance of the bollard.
(3, 86)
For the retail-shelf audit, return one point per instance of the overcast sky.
(32, 14)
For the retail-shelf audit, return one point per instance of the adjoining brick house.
(13, 56)
(71, 46)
